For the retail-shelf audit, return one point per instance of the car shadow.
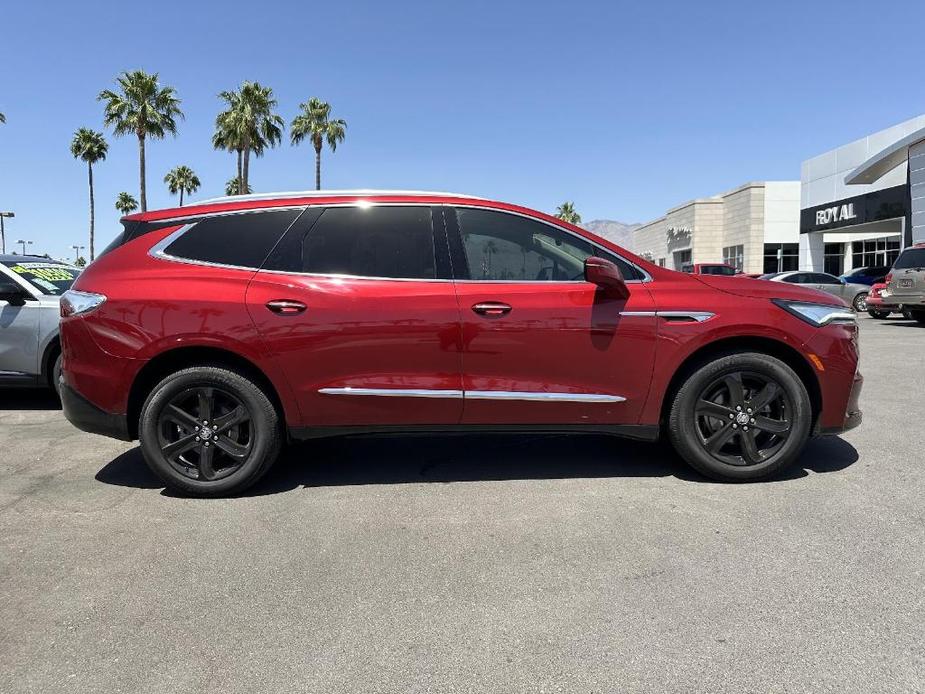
(29, 399)
(404, 459)
(905, 323)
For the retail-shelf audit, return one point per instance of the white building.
(755, 227)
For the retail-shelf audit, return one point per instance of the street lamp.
(77, 250)
(24, 243)
(3, 215)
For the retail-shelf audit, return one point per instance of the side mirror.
(13, 298)
(607, 276)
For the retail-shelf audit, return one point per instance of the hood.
(766, 289)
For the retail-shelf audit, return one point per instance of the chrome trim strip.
(698, 316)
(540, 396)
(394, 392)
(633, 314)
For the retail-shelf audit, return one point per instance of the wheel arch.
(173, 360)
(50, 353)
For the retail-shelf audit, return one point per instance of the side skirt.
(641, 432)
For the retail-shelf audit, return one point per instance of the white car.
(30, 290)
(854, 294)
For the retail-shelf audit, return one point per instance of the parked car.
(30, 288)
(217, 332)
(854, 294)
(875, 305)
(710, 269)
(906, 283)
(869, 275)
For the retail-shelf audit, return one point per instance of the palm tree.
(144, 108)
(233, 187)
(315, 123)
(125, 203)
(2, 118)
(567, 213)
(89, 146)
(247, 125)
(182, 179)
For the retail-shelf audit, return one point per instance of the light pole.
(3, 215)
(24, 243)
(77, 250)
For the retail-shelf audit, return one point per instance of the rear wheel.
(860, 302)
(209, 431)
(741, 417)
(879, 315)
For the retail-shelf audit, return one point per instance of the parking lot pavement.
(476, 564)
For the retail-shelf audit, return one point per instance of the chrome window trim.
(533, 396)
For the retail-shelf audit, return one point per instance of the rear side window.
(242, 240)
(383, 241)
(910, 258)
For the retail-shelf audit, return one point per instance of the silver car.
(854, 294)
(30, 287)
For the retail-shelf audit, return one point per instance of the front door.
(360, 311)
(541, 345)
(19, 330)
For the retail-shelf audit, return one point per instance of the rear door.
(909, 275)
(357, 306)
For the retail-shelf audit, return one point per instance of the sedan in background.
(869, 275)
(30, 290)
(854, 294)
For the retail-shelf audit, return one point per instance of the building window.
(875, 252)
(681, 258)
(735, 256)
(781, 257)
(661, 262)
(834, 260)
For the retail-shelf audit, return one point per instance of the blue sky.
(625, 108)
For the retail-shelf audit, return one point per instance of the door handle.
(286, 307)
(492, 309)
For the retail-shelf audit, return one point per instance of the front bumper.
(853, 415)
(88, 417)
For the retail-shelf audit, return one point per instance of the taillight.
(875, 292)
(888, 278)
(74, 302)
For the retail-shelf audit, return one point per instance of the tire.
(907, 314)
(243, 440)
(56, 375)
(879, 315)
(860, 302)
(700, 417)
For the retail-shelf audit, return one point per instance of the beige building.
(755, 227)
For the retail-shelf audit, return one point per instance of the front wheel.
(741, 417)
(209, 431)
(860, 302)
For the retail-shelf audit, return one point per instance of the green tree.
(181, 179)
(89, 146)
(126, 203)
(233, 187)
(248, 125)
(80, 262)
(144, 108)
(567, 213)
(314, 123)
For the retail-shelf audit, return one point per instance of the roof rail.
(325, 193)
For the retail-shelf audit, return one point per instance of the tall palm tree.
(181, 179)
(233, 187)
(315, 123)
(89, 146)
(248, 125)
(2, 118)
(567, 213)
(144, 108)
(126, 203)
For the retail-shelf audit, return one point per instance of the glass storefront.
(781, 257)
(735, 256)
(879, 252)
(834, 258)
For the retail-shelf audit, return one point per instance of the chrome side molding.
(394, 392)
(673, 316)
(535, 396)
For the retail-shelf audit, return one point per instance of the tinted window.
(912, 257)
(47, 277)
(507, 247)
(718, 269)
(243, 240)
(821, 278)
(798, 278)
(371, 242)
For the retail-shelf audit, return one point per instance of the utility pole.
(77, 250)
(4, 215)
(24, 243)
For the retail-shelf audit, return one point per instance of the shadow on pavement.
(29, 399)
(402, 459)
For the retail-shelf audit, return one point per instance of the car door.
(829, 283)
(357, 305)
(541, 345)
(20, 317)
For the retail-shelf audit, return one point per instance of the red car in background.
(711, 269)
(215, 333)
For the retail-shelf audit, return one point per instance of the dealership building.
(861, 203)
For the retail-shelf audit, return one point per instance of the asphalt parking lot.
(476, 564)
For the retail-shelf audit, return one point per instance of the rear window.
(910, 258)
(47, 277)
(240, 240)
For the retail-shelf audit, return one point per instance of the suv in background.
(906, 283)
(217, 332)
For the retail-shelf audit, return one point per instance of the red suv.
(217, 333)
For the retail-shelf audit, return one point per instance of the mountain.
(620, 233)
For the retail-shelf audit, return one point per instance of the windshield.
(47, 277)
(911, 257)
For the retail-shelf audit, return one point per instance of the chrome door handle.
(492, 309)
(286, 307)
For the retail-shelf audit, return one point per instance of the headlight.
(74, 302)
(817, 314)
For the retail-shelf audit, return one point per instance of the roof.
(326, 193)
(885, 160)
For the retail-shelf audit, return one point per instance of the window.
(381, 241)
(661, 262)
(798, 278)
(681, 258)
(781, 257)
(242, 240)
(735, 256)
(834, 258)
(822, 278)
(507, 247)
(46, 277)
(911, 258)
(882, 251)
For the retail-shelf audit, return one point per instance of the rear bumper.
(86, 416)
